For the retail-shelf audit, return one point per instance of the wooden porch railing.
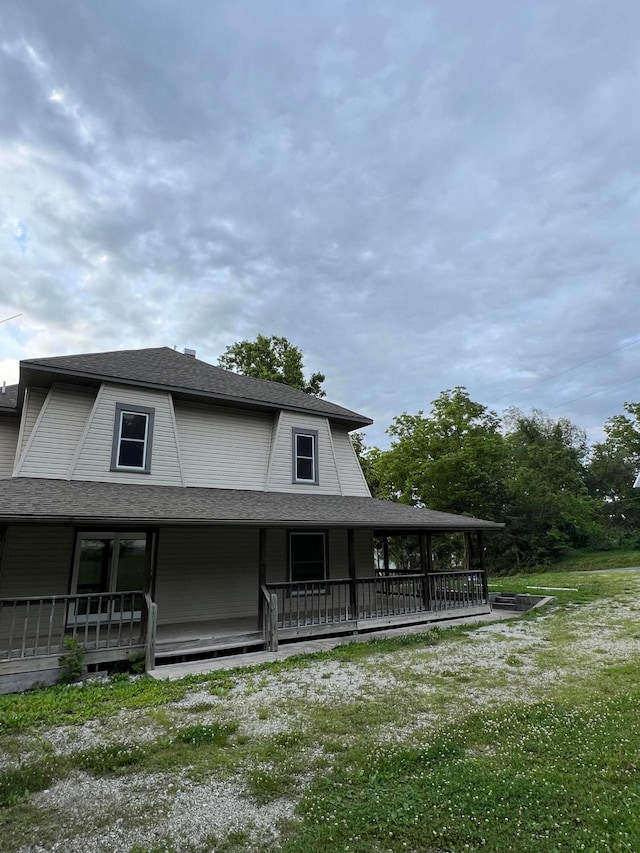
(34, 627)
(301, 604)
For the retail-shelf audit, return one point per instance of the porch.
(117, 626)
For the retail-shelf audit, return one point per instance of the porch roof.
(24, 500)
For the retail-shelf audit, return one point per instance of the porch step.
(504, 601)
(209, 646)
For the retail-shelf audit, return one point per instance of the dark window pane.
(305, 445)
(304, 469)
(131, 564)
(307, 572)
(307, 556)
(133, 426)
(307, 547)
(94, 565)
(131, 454)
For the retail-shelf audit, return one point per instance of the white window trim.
(313, 435)
(149, 413)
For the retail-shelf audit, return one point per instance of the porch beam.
(351, 558)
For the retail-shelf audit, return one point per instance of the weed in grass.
(216, 733)
(514, 660)
(109, 758)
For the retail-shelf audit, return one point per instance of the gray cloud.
(418, 195)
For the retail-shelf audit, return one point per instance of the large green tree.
(273, 358)
(611, 472)
(451, 459)
(548, 507)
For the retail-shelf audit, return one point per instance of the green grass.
(585, 561)
(557, 771)
(547, 777)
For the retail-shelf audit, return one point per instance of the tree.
(275, 359)
(548, 507)
(450, 460)
(611, 471)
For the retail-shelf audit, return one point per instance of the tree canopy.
(272, 358)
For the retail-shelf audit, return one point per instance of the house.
(151, 503)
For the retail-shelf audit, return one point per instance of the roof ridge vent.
(190, 352)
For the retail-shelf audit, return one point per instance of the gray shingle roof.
(9, 399)
(79, 502)
(167, 369)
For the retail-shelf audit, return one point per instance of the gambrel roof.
(185, 376)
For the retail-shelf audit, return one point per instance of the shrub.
(71, 662)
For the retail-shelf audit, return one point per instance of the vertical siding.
(9, 428)
(223, 448)
(54, 440)
(36, 561)
(33, 402)
(209, 573)
(94, 459)
(281, 466)
(352, 479)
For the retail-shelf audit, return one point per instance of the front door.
(107, 563)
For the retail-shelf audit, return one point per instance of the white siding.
(33, 402)
(36, 561)
(8, 444)
(54, 440)
(223, 448)
(281, 465)
(352, 479)
(94, 459)
(207, 573)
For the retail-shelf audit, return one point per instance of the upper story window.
(305, 456)
(132, 439)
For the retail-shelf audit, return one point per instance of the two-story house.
(153, 503)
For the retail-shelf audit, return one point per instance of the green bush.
(71, 662)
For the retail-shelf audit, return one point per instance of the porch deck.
(115, 626)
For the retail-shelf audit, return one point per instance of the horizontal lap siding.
(351, 476)
(94, 460)
(223, 448)
(281, 470)
(54, 442)
(8, 443)
(207, 574)
(36, 561)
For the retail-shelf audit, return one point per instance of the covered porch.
(252, 571)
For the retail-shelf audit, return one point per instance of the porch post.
(262, 571)
(483, 569)
(351, 557)
(425, 566)
(385, 553)
(150, 608)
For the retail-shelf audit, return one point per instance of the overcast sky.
(417, 194)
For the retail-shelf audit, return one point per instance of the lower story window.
(307, 556)
(107, 563)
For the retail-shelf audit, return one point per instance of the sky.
(419, 194)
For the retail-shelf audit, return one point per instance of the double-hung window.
(307, 556)
(305, 456)
(132, 439)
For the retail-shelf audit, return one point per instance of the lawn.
(521, 735)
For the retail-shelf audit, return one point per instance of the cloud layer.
(417, 195)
